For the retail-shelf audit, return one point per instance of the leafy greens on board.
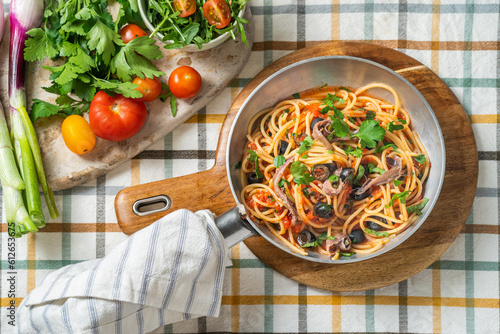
(84, 35)
(193, 29)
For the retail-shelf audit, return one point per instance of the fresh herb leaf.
(300, 173)
(330, 99)
(377, 233)
(352, 120)
(418, 207)
(330, 152)
(373, 169)
(380, 149)
(420, 158)
(238, 165)
(340, 128)
(345, 88)
(306, 193)
(361, 172)
(347, 254)
(399, 196)
(370, 132)
(305, 145)
(403, 121)
(282, 182)
(370, 114)
(319, 240)
(296, 95)
(333, 178)
(397, 183)
(255, 159)
(355, 152)
(393, 127)
(39, 46)
(279, 161)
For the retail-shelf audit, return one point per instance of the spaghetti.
(334, 170)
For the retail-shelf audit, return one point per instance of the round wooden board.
(448, 217)
(210, 189)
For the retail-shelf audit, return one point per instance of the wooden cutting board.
(210, 189)
(218, 67)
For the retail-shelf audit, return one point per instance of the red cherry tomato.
(185, 82)
(217, 13)
(131, 31)
(186, 7)
(150, 88)
(116, 118)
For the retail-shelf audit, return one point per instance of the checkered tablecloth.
(457, 39)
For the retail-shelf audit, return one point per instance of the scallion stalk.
(25, 15)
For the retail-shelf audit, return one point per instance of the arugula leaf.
(355, 152)
(255, 159)
(377, 233)
(102, 39)
(380, 149)
(373, 169)
(319, 240)
(399, 196)
(370, 132)
(420, 158)
(370, 114)
(418, 207)
(300, 173)
(393, 127)
(39, 46)
(279, 161)
(305, 145)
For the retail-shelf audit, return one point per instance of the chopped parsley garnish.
(393, 127)
(296, 95)
(279, 161)
(397, 183)
(346, 254)
(418, 207)
(370, 132)
(319, 240)
(271, 198)
(345, 88)
(403, 121)
(373, 169)
(370, 115)
(399, 196)
(253, 158)
(305, 145)
(420, 158)
(330, 99)
(325, 110)
(333, 178)
(352, 120)
(355, 152)
(361, 172)
(377, 233)
(330, 152)
(340, 128)
(300, 173)
(282, 182)
(338, 113)
(380, 149)
(238, 165)
(306, 193)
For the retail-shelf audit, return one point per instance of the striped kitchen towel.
(170, 271)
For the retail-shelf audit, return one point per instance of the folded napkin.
(170, 271)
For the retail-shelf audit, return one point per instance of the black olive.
(347, 174)
(373, 225)
(323, 210)
(332, 166)
(252, 178)
(314, 121)
(305, 237)
(357, 236)
(283, 147)
(320, 172)
(360, 196)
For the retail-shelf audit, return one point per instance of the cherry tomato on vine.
(130, 32)
(150, 88)
(185, 82)
(186, 7)
(116, 118)
(217, 13)
(77, 134)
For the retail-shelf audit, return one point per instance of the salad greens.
(193, 29)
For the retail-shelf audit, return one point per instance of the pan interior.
(340, 71)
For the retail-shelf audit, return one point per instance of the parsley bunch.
(83, 35)
(193, 29)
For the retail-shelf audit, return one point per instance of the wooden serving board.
(218, 67)
(210, 189)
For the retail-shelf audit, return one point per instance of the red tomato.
(287, 221)
(217, 13)
(186, 7)
(314, 108)
(131, 31)
(185, 82)
(150, 88)
(116, 118)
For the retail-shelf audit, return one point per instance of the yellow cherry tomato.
(77, 134)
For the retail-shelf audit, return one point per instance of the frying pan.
(139, 206)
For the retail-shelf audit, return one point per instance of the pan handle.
(139, 206)
(234, 227)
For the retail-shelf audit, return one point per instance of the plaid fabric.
(457, 39)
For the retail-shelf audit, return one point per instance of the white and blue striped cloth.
(170, 271)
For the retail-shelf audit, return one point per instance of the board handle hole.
(151, 205)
